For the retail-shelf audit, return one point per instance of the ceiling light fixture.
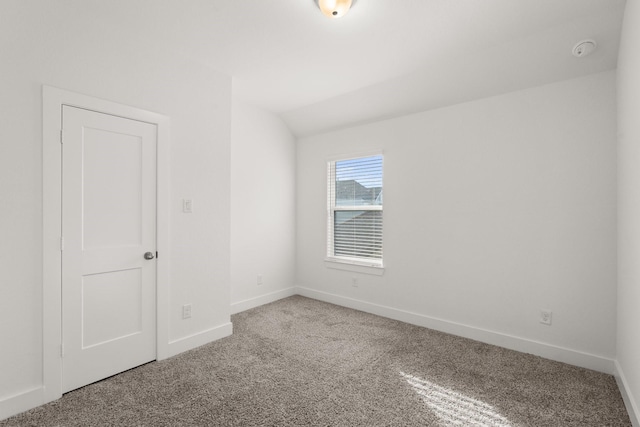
(334, 8)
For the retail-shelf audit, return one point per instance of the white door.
(108, 225)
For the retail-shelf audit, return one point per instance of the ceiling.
(383, 59)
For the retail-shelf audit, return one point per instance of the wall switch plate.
(187, 205)
(545, 316)
(259, 279)
(186, 311)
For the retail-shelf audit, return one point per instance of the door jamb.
(52, 101)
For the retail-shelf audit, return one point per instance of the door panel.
(112, 192)
(108, 223)
(102, 292)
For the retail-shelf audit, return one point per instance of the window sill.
(338, 264)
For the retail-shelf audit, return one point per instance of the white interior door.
(108, 224)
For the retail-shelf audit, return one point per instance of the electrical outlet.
(354, 282)
(186, 311)
(545, 316)
(259, 279)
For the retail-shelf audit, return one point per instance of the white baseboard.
(560, 354)
(35, 397)
(201, 338)
(627, 396)
(21, 402)
(240, 306)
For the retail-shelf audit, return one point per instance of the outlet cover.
(545, 316)
(186, 311)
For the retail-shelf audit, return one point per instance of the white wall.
(629, 208)
(262, 207)
(63, 44)
(494, 209)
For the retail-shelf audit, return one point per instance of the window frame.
(362, 265)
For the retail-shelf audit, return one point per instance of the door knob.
(148, 255)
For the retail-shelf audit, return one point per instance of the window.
(354, 214)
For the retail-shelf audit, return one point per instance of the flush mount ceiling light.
(334, 8)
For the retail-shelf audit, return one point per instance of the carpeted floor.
(301, 362)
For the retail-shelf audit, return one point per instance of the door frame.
(53, 99)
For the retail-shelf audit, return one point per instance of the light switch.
(187, 205)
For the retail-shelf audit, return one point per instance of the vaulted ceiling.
(383, 59)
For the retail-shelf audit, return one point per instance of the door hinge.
(61, 350)
(61, 132)
(156, 254)
(61, 244)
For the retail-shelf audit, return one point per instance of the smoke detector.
(584, 48)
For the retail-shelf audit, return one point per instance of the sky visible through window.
(367, 171)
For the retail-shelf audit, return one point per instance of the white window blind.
(354, 220)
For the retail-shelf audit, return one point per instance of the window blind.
(354, 223)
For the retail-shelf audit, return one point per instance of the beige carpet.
(301, 362)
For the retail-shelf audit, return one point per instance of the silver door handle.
(148, 255)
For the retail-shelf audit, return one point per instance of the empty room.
(320, 212)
